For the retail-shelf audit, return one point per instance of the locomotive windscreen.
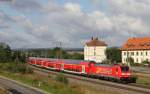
(125, 68)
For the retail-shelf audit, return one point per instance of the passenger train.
(116, 72)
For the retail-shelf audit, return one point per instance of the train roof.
(106, 65)
(72, 61)
(69, 61)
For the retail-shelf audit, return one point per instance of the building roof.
(95, 42)
(137, 44)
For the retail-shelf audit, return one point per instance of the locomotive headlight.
(128, 74)
(125, 73)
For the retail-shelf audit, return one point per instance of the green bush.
(136, 64)
(113, 54)
(106, 61)
(29, 70)
(16, 67)
(146, 62)
(131, 61)
(62, 78)
(134, 79)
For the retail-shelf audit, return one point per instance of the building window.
(141, 53)
(132, 53)
(127, 53)
(124, 53)
(137, 60)
(137, 53)
(146, 53)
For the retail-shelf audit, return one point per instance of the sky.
(46, 23)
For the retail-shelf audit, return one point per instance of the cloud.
(4, 20)
(22, 21)
(73, 8)
(5, 0)
(136, 8)
(70, 24)
(26, 5)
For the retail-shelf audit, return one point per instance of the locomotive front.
(125, 74)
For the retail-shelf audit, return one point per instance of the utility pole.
(59, 53)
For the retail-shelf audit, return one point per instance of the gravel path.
(18, 88)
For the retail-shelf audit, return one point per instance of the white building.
(136, 48)
(94, 50)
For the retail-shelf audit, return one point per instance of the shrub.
(136, 64)
(131, 61)
(16, 67)
(146, 62)
(134, 79)
(62, 78)
(106, 61)
(29, 70)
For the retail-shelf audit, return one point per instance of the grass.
(43, 83)
(143, 79)
(49, 83)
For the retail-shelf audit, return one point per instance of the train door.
(91, 68)
(83, 69)
(62, 66)
(34, 62)
(116, 74)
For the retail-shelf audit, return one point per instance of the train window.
(125, 69)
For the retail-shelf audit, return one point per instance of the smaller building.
(136, 48)
(94, 50)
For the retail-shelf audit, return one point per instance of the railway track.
(130, 87)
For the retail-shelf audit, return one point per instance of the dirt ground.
(3, 91)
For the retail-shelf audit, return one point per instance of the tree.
(5, 52)
(146, 63)
(77, 56)
(106, 61)
(19, 56)
(113, 54)
(130, 60)
(60, 53)
(57, 52)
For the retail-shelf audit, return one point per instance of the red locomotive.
(87, 68)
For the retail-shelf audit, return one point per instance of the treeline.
(8, 55)
(13, 61)
(56, 52)
(60, 53)
(113, 54)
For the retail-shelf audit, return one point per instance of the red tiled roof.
(137, 44)
(96, 42)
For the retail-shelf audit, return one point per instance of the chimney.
(96, 38)
(92, 38)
